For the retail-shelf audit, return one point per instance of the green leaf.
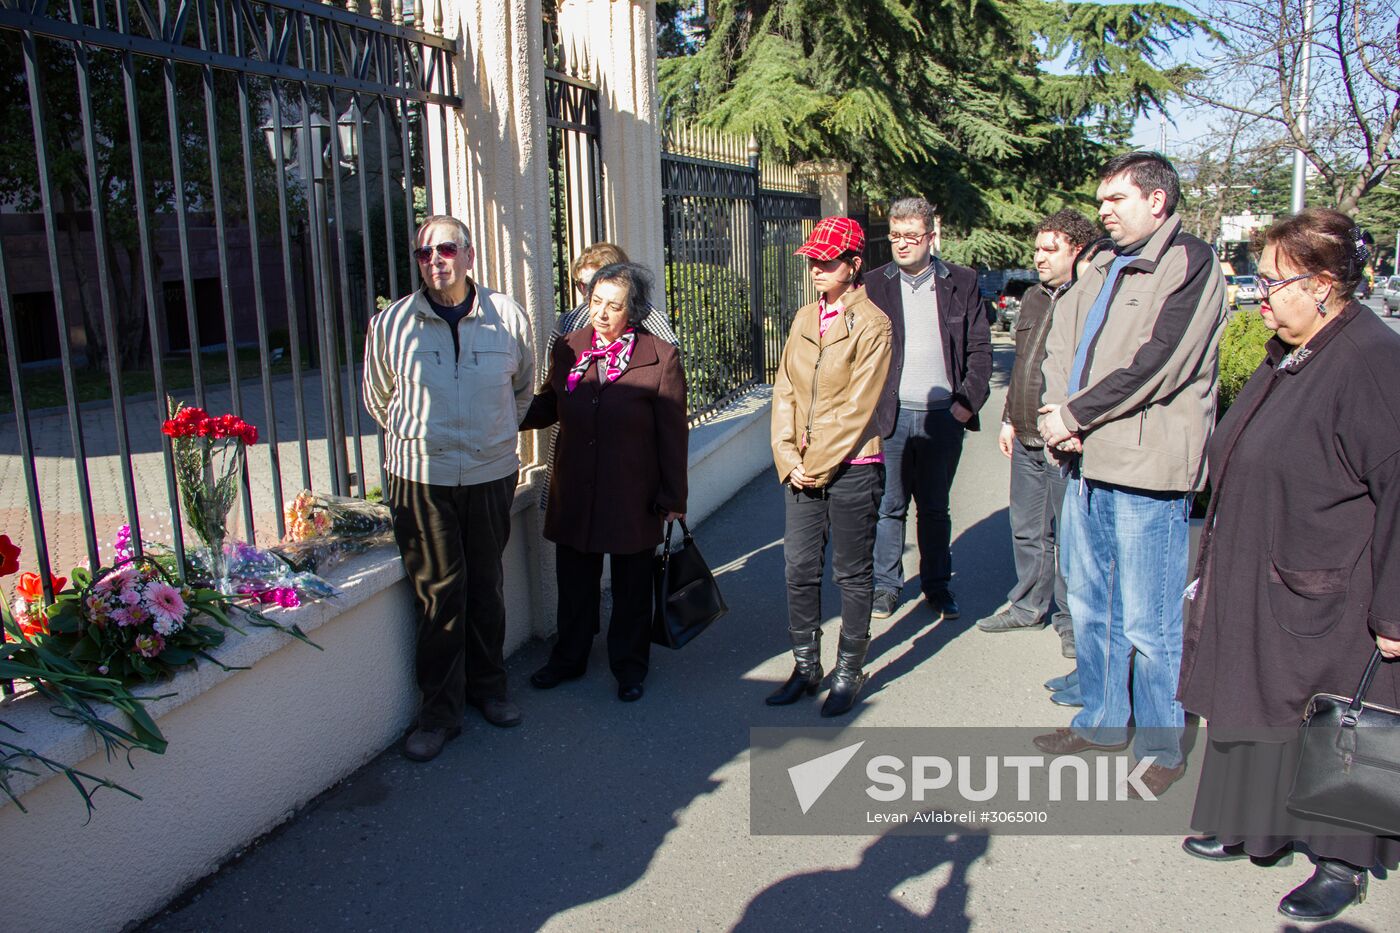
(177, 657)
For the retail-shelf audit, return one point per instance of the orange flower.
(34, 623)
(31, 588)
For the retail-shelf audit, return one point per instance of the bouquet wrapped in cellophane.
(323, 530)
(258, 575)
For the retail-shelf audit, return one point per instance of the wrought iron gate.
(260, 162)
(575, 164)
(732, 222)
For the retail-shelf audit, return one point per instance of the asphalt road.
(597, 815)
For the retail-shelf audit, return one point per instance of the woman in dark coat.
(1299, 572)
(618, 395)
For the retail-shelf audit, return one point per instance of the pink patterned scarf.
(614, 357)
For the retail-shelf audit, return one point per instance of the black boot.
(847, 677)
(1209, 847)
(1333, 887)
(806, 672)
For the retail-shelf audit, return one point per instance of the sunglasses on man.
(448, 250)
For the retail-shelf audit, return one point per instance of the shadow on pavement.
(510, 828)
(984, 570)
(885, 891)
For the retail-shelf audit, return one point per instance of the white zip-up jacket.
(450, 419)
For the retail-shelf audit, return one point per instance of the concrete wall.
(248, 748)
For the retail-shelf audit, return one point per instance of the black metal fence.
(576, 207)
(788, 211)
(732, 283)
(206, 198)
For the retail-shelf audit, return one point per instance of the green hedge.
(709, 309)
(1241, 352)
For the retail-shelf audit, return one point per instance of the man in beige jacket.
(449, 373)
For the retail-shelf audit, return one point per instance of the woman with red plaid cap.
(827, 452)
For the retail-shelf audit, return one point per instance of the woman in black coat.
(1298, 580)
(618, 394)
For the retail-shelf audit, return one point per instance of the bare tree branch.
(1353, 96)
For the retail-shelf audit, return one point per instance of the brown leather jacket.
(828, 387)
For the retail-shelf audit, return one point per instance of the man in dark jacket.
(1037, 486)
(941, 361)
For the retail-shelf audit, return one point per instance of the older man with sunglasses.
(449, 373)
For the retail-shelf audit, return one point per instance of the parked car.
(1008, 305)
(1246, 291)
(1389, 294)
(1230, 288)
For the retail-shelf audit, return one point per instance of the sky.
(1182, 129)
(1184, 126)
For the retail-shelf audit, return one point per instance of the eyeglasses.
(911, 239)
(448, 250)
(1268, 285)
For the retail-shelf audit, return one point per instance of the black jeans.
(579, 575)
(845, 511)
(921, 457)
(452, 539)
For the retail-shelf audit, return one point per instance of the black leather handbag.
(687, 597)
(1349, 761)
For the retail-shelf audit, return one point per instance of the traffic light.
(1253, 191)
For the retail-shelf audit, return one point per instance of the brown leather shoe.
(425, 744)
(1157, 779)
(1068, 742)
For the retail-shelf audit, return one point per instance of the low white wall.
(248, 748)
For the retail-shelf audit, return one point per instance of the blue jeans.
(921, 457)
(1124, 555)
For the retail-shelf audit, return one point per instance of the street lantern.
(294, 133)
(289, 137)
(349, 137)
(311, 136)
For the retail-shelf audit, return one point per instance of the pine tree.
(952, 100)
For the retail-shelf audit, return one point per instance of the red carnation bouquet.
(208, 458)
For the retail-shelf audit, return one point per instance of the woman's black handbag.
(687, 597)
(1349, 761)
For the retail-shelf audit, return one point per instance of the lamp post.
(1300, 163)
(311, 140)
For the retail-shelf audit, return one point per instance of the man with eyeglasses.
(1129, 403)
(449, 374)
(940, 367)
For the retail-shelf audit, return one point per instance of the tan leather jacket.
(827, 389)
